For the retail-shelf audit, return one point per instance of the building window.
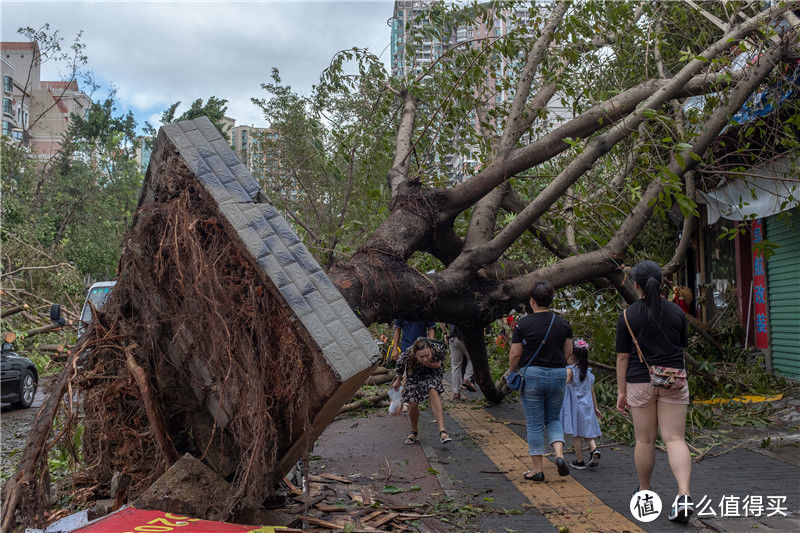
(7, 106)
(7, 128)
(8, 84)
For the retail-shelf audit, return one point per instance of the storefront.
(766, 261)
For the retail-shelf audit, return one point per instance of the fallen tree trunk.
(14, 310)
(57, 348)
(701, 328)
(369, 401)
(43, 329)
(380, 379)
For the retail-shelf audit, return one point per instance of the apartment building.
(246, 141)
(412, 14)
(16, 92)
(53, 105)
(35, 112)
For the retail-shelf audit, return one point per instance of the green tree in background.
(77, 207)
(321, 160)
(214, 108)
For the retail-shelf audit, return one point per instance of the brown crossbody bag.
(663, 377)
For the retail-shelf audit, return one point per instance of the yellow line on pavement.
(563, 500)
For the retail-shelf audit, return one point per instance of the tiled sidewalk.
(603, 502)
(483, 468)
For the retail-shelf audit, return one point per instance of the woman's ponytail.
(647, 274)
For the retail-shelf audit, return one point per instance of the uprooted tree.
(563, 202)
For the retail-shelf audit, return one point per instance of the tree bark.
(476, 347)
(14, 310)
(43, 329)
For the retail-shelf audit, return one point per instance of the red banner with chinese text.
(760, 322)
(133, 520)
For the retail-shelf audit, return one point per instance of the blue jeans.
(542, 396)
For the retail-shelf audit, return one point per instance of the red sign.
(132, 520)
(760, 322)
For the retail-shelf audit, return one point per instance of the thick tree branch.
(548, 90)
(687, 231)
(590, 121)
(605, 261)
(398, 174)
(514, 204)
(595, 148)
(518, 118)
(484, 216)
(445, 244)
(633, 225)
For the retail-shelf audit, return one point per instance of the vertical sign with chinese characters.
(759, 288)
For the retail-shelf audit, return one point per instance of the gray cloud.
(160, 52)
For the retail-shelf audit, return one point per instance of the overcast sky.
(157, 53)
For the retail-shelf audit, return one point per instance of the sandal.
(444, 437)
(530, 476)
(412, 438)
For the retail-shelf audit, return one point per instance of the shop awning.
(766, 190)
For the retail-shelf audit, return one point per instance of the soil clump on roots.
(224, 370)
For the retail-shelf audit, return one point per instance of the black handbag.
(515, 380)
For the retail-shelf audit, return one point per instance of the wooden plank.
(388, 504)
(414, 516)
(380, 521)
(372, 515)
(291, 486)
(333, 477)
(321, 522)
(325, 508)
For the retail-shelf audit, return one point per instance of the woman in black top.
(660, 329)
(545, 378)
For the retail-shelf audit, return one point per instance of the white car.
(98, 294)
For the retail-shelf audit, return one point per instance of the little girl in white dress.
(579, 412)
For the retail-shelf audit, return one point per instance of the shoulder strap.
(552, 319)
(635, 342)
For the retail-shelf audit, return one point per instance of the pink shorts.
(644, 394)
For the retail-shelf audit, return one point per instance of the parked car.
(18, 375)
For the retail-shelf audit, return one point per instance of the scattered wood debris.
(339, 503)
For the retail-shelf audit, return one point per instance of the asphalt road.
(14, 427)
